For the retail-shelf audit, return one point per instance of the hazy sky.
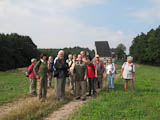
(68, 23)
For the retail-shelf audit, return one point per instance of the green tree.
(120, 51)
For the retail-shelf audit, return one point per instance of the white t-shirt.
(111, 68)
(128, 70)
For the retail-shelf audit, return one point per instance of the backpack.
(131, 66)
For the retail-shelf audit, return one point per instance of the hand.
(37, 76)
(110, 73)
(121, 77)
(85, 77)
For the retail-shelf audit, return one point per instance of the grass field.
(13, 84)
(141, 104)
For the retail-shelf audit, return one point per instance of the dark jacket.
(61, 69)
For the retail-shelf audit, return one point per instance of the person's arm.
(86, 72)
(74, 73)
(35, 69)
(30, 69)
(114, 68)
(134, 76)
(134, 70)
(122, 69)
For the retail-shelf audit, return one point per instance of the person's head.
(87, 53)
(33, 61)
(109, 60)
(97, 57)
(129, 59)
(61, 54)
(50, 59)
(82, 53)
(43, 56)
(70, 56)
(84, 59)
(79, 58)
(74, 57)
(88, 61)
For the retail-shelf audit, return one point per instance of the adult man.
(61, 73)
(100, 70)
(71, 68)
(70, 57)
(80, 76)
(50, 73)
(69, 61)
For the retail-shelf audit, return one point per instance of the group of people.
(83, 74)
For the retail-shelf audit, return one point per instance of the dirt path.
(64, 112)
(68, 109)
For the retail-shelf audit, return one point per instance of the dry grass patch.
(32, 109)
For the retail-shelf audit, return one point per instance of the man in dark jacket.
(61, 73)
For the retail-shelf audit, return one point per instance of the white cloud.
(49, 27)
(149, 14)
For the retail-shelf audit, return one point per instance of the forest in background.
(17, 51)
(145, 48)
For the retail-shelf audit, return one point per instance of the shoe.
(83, 99)
(89, 95)
(77, 98)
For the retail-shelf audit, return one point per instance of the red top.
(30, 72)
(91, 70)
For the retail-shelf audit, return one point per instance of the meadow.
(141, 104)
(13, 85)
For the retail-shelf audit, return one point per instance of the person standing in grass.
(69, 61)
(50, 73)
(100, 70)
(128, 73)
(110, 70)
(32, 77)
(80, 76)
(61, 73)
(91, 77)
(71, 67)
(41, 70)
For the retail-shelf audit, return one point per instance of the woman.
(61, 73)
(50, 68)
(128, 73)
(41, 70)
(91, 77)
(110, 70)
(32, 77)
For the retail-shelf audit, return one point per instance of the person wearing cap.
(32, 78)
(80, 73)
(100, 70)
(41, 70)
(128, 73)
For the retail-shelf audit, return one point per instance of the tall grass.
(141, 104)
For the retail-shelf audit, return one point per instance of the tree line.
(17, 50)
(145, 48)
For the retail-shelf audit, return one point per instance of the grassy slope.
(12, 85)
(141, 104)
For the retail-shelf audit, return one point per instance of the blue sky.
(68, 23)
